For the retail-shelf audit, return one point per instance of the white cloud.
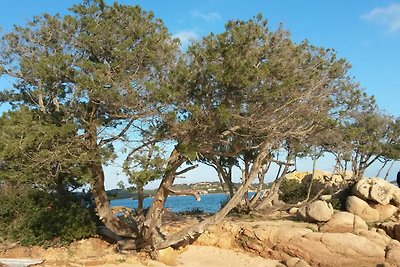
(185, 37)
(388, 16)
(208, 17)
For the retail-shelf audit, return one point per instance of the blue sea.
(210, 203)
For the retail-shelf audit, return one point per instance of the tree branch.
(195, 193)
(118, 136)
(186, 169)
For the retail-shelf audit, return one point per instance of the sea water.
(210, 203)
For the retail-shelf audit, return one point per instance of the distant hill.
(210, 187)
(124, 193)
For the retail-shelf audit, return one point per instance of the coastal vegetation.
(108, 82)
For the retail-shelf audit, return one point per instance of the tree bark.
(190, 234)
(224, 174)
(388, 171)
(261, 177)
(312, 178)
(102, 204)
(149, 232)
(383, 166)
(272, 197)
(140, 197)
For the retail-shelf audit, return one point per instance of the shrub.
(293, 191)
(339, 199)
(35, 217)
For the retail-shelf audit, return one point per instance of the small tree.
(144, 165)
(365, 140)
(39, 168)
(99, 68)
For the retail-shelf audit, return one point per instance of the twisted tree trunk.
(188, 235)
(102, 204)
(150, 234)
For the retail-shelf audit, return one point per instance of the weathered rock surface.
(285, 241)
(334, 249)
(393, 253)
(317, 211)
(295, 262)
(324, 177)
(371, 212)
(344, 222)
(385, 211)
(392, 229)
(378, 190)
(357, 206)
(293, 210)
(325, 197)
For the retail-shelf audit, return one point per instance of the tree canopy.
(107, 76)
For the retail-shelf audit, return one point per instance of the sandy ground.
(200, 256)
(95, 252)
(207, 256)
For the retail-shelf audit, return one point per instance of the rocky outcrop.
(377, 190)
(317, 249)
(285, 241)
(369, 211)
(317, 211)
(323, 177)
(361, 208)
(344, 222)
(334, 249)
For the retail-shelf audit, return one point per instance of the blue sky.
(366, 32)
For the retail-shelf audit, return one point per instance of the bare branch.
(186, 169)
(195, 193)
(281, 162)
(118, 136)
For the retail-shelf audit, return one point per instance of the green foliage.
(38, 149)
(338, 200)
(293, 191)
(93, 72)
(249, 84)
(194, 211)
(145, 165)
(110, 73)
(34, 217)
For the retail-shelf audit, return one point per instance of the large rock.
(316, 249)
(344, 222)
(369, 211)
(361, 208)
(378, 190)
(393, 252)
(317, 211)
(392, 229)
(289, 241)
(385, 211)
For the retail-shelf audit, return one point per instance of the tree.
(362, 134)
(41, 164)
(38, 151)
(392, 146)
(247, 84)
(108, 69)
(99, 69)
